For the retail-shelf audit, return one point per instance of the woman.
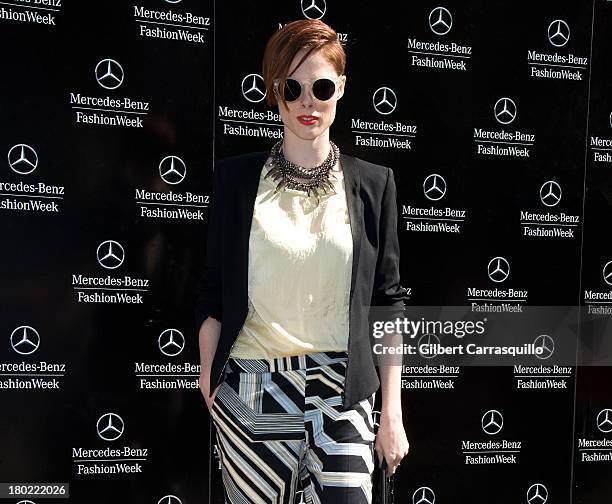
(287, 371)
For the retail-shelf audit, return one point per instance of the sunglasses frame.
(309, 82)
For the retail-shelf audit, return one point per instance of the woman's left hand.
(391, 442)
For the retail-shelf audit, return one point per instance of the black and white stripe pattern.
(280, 428)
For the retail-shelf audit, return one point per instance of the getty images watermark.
(455, 335)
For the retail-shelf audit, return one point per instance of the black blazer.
(375, 281)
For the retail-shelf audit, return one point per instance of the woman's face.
(314, 67)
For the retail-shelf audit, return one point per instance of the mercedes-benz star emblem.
(110, 426)
(550, 193)
(545, 345)
(492, 422)
(498, 269)
(607, 273)
(505, 110)
(314, 9)
(428, 340)
(253, 88)
(384, 100)
(434, 187)
(110, 254)
(440, 21)
(537, 494)
(25, 340)
(169, 499)
(604, 420)
(558, 33)
(172, 170)
(109, 73)
(423, 495)
(171, 342)
(22, 159)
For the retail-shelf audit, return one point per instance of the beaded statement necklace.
(314, 181)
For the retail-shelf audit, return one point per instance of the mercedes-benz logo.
(423, 495)
(171, 342)
(505, 110)
(169, 499)
(558, 33)
(498, 269)
(492, 422)
(26, 502)
(545, 345)
(173, 1)
(440, 20)
(434, 187)
(537, 494)
(25, 340)
(550, 193)
(22, 159)
(172, 170)
(109, 73)
(314, 9)
(384, 100)
(428, 339)
(607, 273)
(110, 426)
(610, 119)
(604, 420)
(110, 254)
(253, 88)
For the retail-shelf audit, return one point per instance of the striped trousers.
(280, 431)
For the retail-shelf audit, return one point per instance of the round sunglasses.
(322, 89)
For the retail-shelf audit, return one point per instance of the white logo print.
(498, 269)
(505, 110)
(171, 342)
(172, 170)
(492, 422)
(604, 420)
(110, 254)
(384, 100)
(109, 73)
(558, 33)
(440, 21)
(550, 193)
(607, 273)
(314, 9)
(537, 494)
(428, 340)
(110, 426)
(22, 159)
(423, 495)
(169, 499)
(253, 88)
(434, 187)
(546, 345)
(25, 340)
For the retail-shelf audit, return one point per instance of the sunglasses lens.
(323, 89)
(293, 89)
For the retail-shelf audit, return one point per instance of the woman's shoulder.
(368, 171)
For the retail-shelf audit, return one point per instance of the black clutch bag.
(382, 485)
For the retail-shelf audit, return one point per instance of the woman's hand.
(391, 442)
(205, 389)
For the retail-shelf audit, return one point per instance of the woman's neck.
(305, 153)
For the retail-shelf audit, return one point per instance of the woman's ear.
(341, 84)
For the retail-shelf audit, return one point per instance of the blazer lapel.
(352, 183)
(250, 184)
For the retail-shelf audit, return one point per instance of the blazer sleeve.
(387, 290)
(208, 290)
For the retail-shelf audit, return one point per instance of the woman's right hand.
(205, 389)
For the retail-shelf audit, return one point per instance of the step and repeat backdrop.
(496, 118)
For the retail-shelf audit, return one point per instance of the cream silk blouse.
(300, 258)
